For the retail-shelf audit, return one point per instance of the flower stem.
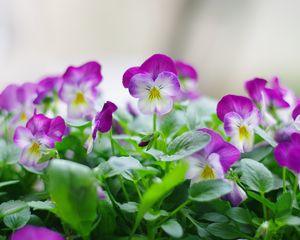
(264, 208)
(295, 186)
(112, 143)
(123, 188)
(284, 179)
(154, 122)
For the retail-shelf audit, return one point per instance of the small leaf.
(258, 153)
(130, 207)
(224, 231)
(121, 164)
(205, 191)
(6, 183)
(185, 145)
(18, 219)
(289, 220)
(214, 217)
(284, 204)
(11, 207)
(40, 205)
(256, 176)
(173, 228)
(262, 200)
(240, 215)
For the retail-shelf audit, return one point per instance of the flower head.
(79, 89)
(240, 117)
(19, 101)
(102, 122)
(188, 77)
(40, 134)
(287, 153)
(214, 160)
(30, 232)
(296, 117)
(154, 83)
(46, 86)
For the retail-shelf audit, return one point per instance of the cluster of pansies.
(175, 165)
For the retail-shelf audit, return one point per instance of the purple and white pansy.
(40, 134)
(155, 83)
(79, 89)
(214, 160)
(46, 87)
(18, 100)
(240, 118)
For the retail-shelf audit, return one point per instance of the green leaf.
(49, 154)
(205, 191)
(262, 200)
(11, 207)
(40, 205)
(107, 224)
(256, 176)
(240, 215)
(289, 220)
(119, 165)
(185, 145)
(6, 183)
(130, 207)
(224, 231)
(262, 133)
(153, 215)
(72, 188)
(18, 219)
(214, 217)
(284, 204)
(173, 228)
(158, 190)
(258, 153)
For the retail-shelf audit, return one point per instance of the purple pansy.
(30, 232)
(287, 153)
(214, 160)
(188, 77)
(40, 134)
(240, 117)
(102, 122)
(236, 196)
(46, 87)
(79, 89)
(296, 117)
(19, 101)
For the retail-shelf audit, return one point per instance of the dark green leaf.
(224, 231)
(173, 228)
(284, 204)
(214, 217)
(240, 215)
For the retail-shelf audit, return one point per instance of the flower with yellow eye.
(240, 118)
(79, 89)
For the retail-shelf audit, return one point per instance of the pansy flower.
(19, 101)
(46, 87)
(214, 160)
(188, 77)
(40, 134)
(30, 232)
(287, 153)
(296, 117)
(240, 117)
(79, 89)
(154, 83)
(102, 122)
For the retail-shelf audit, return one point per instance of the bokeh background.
(227, 41)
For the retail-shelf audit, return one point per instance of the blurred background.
(227, 41)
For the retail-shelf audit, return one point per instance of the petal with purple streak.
(22, 137)
(129, 74)
(140, 84)
(168, 83)
(256, 88)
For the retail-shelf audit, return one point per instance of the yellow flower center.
(154, 94)
(243, 132)
(34, 149)
(23, 116)
(207, 173)
(79, 99)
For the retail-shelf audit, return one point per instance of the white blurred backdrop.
(227, 41)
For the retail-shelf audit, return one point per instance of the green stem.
(174, 211)
(284, 179)
(112, 143)
(264, 208)
(154, 122)
(123, 188)
(138, 190)
(295, 186)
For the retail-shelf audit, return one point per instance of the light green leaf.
(119, 165)
(18, 219)
(205, 191)
(11, 207)
(256, 176)
(262, 133)
(40, 205)
(72, 188)
(185, 145)
(6, 183)
(173, 228)
(158, 190)
(130, 207)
